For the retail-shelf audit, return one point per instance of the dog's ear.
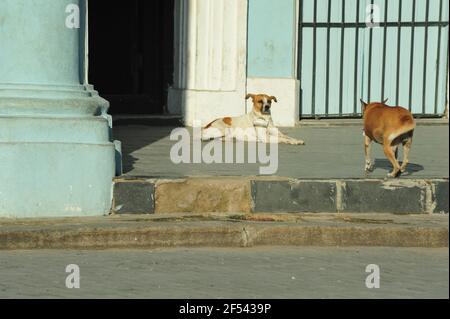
(249, 95)
(273, 98)
(363, 105)
(384, 102)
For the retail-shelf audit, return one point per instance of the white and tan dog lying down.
(256, 126)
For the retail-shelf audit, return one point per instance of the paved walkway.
(330, 152)
(264, 272)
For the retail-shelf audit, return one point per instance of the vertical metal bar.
(383, 72)
(399, 40)
(369, 82)
(341, 70)
(446, 77)
(327, 85)
(355, 76)
(313, 99)
(300, 57)
(411, 56)
(438, 60)
(424, 87)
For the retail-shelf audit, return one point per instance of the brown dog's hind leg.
(389, 152)
(406, 148)
(368, 167)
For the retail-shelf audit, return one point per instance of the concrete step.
(325, 122)
(142, 195)
(176, 120)
(225, 230)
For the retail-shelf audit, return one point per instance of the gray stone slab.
(391, 196)
(441, 197)
(293, 196)
(134, 197)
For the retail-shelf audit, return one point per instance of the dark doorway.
(131, 53)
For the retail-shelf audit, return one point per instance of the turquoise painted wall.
(349, 102)
(271, 43)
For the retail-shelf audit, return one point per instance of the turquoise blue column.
(56, 154)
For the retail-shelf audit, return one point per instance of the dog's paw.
(300, 142)
(403, 169)
(394, 174)
(369, 167)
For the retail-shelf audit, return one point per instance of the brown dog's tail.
(407, 126)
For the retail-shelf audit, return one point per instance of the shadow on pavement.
(386, 165)
(134, 137)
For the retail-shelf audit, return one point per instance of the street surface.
(262, 272)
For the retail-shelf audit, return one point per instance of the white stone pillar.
(210, 59)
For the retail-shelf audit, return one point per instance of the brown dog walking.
(389, 126)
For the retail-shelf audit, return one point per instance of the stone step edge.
(272, 195)
(221, 234)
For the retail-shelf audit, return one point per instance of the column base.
(55, 179)
(286, 111)
(57, 157)
(205, 106)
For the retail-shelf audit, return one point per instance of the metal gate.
(352, 49)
